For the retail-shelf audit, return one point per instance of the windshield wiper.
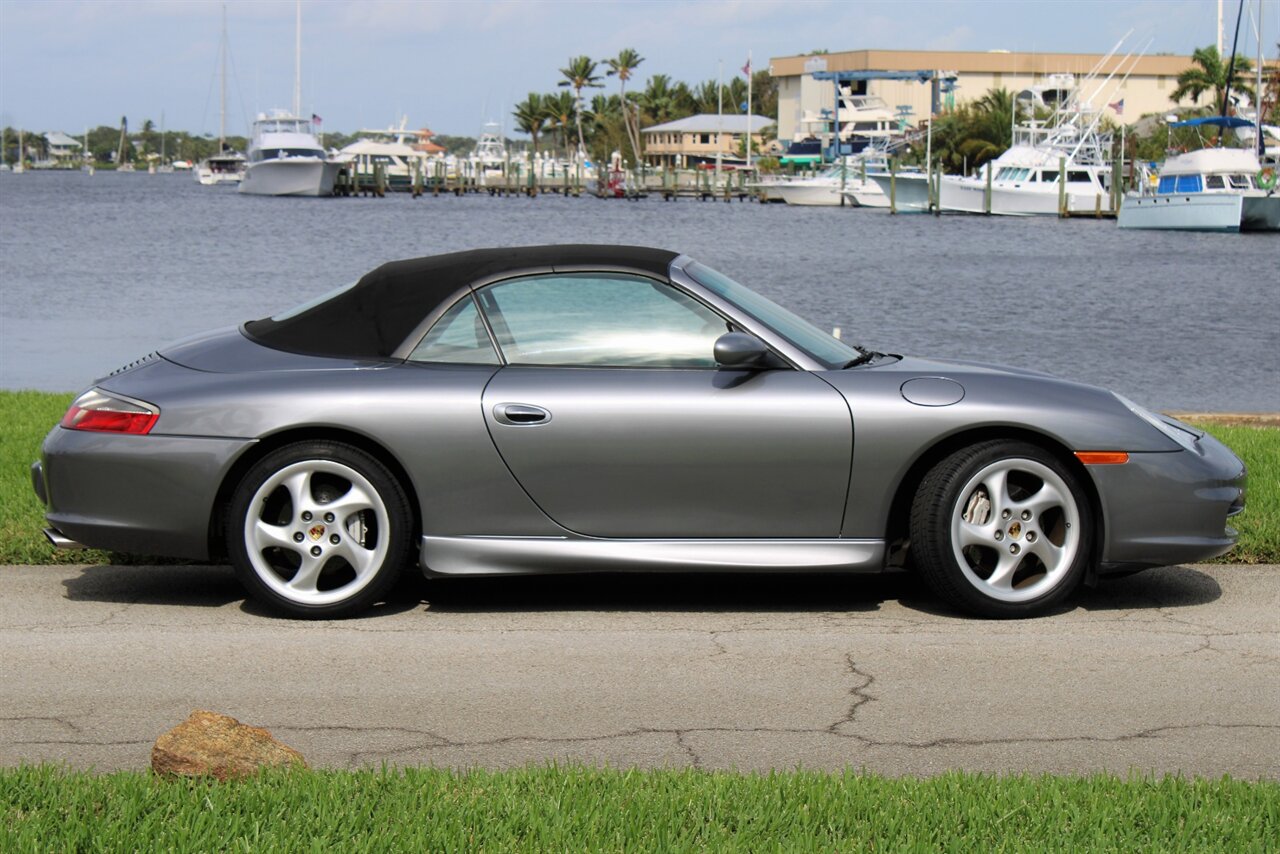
(864, 356)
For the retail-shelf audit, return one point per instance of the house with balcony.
(698, 139)
(64, 151)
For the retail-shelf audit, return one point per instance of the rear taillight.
(104, 413)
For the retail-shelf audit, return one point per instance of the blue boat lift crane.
(942, 83)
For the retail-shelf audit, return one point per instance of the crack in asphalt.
(63, 722)
(858, 692)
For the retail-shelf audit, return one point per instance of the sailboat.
(87, 157)
(164, 167)
(121, 165)
(228, 165)
(285, 158)
(21, 165)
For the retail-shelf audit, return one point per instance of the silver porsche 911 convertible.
(561, 409)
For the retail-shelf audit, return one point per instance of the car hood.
(954, 396)
(943, 367)
(229, 350)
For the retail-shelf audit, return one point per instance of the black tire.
(319, 530)
(1003, 548)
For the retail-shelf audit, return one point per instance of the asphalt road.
(1173, 670)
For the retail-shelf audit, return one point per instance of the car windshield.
(830, 351)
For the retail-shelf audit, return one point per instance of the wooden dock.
(670, 184)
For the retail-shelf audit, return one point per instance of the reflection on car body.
(596, 408)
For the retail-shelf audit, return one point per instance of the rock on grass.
(211, 744)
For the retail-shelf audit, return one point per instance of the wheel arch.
(900, 508)
(273, 441)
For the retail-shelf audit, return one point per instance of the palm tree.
(706, 96)
(531, 116)
(1209, 73)
(735, 95)
(580, 74)
(656, 100)
(622, 65)
(560, 110)
(975, 132)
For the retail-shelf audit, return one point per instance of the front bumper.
(134, 494)
(1161, 509)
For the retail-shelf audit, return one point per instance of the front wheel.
(1001, 529)
(319, 529)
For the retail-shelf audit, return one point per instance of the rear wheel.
(319, 529)
(1001, 529)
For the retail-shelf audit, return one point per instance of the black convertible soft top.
(372, 318)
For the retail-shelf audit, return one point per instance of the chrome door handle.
(520, 414)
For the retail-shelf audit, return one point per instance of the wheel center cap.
(315, 532)
(1014, 530)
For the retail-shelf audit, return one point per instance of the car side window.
(600, 319)
(458, 337)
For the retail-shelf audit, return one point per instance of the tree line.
(964, 137)
(613, 122)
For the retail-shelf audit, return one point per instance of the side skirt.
(548, 555)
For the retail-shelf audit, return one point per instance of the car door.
(613, 416)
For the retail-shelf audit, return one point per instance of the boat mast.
(719, 117)
(1219, 29)
(222, 116)
(297, 59)
(1257, 92)
(1231, 69)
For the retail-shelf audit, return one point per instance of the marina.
(1077, 298)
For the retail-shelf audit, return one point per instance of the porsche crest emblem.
(1014, 530)
(316, 532)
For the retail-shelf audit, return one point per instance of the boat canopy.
(1215, 121)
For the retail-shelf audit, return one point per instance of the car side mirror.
(740, 350)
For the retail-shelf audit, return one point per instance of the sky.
(452, 66)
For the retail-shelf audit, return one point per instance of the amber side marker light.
(1103, 458)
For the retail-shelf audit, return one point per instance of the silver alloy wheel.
(326, 517)
(1015, 530)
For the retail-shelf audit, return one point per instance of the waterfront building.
(1146, 90)
(64, 151)
(698, 139)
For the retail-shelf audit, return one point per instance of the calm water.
(96, 271)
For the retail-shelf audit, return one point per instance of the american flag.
(1118, 106)
(746, 69)
(316, 119)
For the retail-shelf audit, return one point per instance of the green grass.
(1259, 524)
(582, 809)
(26, 416)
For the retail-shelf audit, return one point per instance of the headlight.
(1174, 429)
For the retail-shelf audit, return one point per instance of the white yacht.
(490, 153)
(398, 151)
(909, 190)
(1211, 189)
(225, 168)
(1027, 179)
(826, 188)
(228, 165)
(864, 120)
(286, 160)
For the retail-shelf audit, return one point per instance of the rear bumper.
(1169, 508)
(135, 494)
